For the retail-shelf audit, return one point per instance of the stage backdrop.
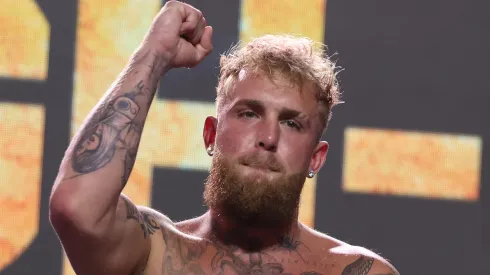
(404, 176)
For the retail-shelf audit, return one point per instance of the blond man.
(274, 101)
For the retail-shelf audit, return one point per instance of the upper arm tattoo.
(360, 267)
(146, 221)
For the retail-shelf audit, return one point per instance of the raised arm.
(102, 231)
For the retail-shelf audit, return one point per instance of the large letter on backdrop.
(21, 140)
(24, 45)
(415, 164)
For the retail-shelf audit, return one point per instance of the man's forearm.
(100, 158)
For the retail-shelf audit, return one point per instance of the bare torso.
(183, 249)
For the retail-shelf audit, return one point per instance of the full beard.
(257, 201)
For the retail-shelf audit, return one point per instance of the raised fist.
(179, 34)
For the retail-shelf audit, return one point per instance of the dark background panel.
(200, 85)
(413, 233)
(21, 91)
(416, 66)
(402, 59)
(178, 193)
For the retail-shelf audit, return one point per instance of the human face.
(265, 141)
(269, 118)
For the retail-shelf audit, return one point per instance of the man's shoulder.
(354, 259)
(360, 260)
(167, 226)
(158, 217)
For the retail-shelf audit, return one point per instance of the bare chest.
(209, 259)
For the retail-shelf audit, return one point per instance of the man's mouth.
(262, 167)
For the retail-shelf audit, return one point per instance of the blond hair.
(299, 60)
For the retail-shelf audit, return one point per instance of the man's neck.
(231, 232)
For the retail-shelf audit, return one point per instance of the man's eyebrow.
(251, 103)
(290, 113)
(287, 113)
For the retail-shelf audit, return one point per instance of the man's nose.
(268, 136)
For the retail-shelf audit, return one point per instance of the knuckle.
(199, 13)
(173, 5)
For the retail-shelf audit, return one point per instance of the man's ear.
(209, 134)
(319, 156)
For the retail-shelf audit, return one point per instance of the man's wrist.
(148, 59)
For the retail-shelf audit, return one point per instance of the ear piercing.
(311, 174)
(210, 151)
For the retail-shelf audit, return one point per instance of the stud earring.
(210, 151)
(311, 174)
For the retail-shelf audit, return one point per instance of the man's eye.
(292, 124)
(247, 114)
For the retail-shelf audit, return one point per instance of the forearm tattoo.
(360, 267)
(146, 221)
(115, 125)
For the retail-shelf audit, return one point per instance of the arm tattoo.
(114, 126)
(146, 221)
(360, 267)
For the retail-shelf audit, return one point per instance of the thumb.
(205, 46)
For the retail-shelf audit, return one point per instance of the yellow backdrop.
(376, 161)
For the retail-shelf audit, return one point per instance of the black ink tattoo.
(360, 267)
(114, 126)
(146, 221)
(224, 260)
(291, 245)
(182, 257)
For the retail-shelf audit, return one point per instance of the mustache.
(256, 159)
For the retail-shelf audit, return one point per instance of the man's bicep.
(131, 236)
(121, 248)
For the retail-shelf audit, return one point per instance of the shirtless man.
(275, 97)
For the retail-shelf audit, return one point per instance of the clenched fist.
(179, 35)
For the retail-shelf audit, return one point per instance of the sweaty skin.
(266, 133)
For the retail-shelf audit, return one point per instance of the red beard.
(258, 200)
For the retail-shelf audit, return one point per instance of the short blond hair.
(298, 60)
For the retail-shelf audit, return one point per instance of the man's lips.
(262, 167)
(265, 162)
